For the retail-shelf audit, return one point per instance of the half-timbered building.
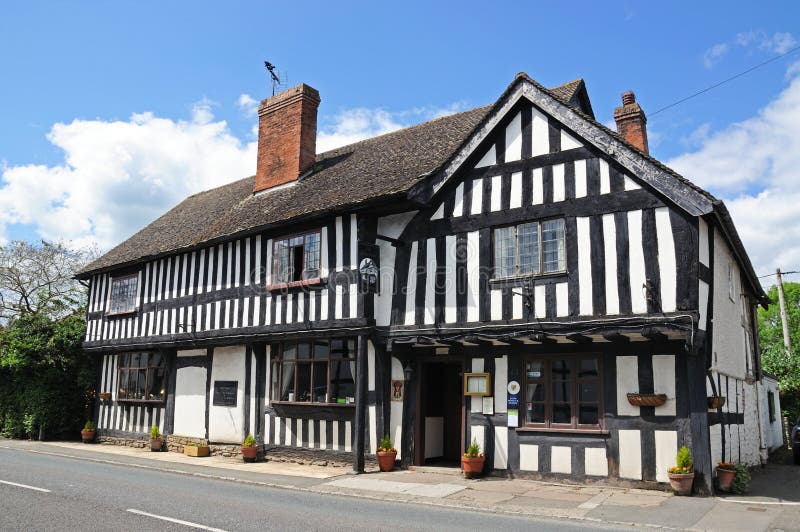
(517, 274)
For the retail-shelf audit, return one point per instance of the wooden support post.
(359, 424)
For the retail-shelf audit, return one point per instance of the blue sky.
(117, 75)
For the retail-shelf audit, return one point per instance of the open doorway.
(441, 415)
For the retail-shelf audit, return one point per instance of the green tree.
(46, 380)
(774, 358)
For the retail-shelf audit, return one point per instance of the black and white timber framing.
(641, 291)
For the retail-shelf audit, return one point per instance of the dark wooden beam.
(616, 337)
(579, 338)
(542, 338)
(652, 333)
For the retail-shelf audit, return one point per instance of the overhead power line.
(724, 81)
(776, 273)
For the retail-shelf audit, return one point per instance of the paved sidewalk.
(764, 509)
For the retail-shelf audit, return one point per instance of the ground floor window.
(563, 392)
(319, 371)
(142, 377)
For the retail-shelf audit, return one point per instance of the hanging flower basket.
(716, 401)
(647, 399)
(105, 396)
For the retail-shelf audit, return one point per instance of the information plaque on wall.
(225, 393)
(512, 404)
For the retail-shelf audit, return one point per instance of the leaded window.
(123, 294)
(563, 392)
(296, 258)
(529, 249)
(141, 377)
(319, 371)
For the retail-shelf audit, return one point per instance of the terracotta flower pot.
(472, 466)
(87, 435)
(725, 478)
(156, 444)
(681, 483)
(386, 460)
(250, 453)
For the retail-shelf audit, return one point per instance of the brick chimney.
(287, 136)
(631, 121)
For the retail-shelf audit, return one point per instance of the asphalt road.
(83, 495)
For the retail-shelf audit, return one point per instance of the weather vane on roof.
(275, 75)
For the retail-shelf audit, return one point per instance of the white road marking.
(177, 521)
(24, 486)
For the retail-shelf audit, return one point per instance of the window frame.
(275, 283)
(278, 361)
(540, 251)
(115, 280)
(575, 380)
(123, 366)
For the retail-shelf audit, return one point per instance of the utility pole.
(787, 343)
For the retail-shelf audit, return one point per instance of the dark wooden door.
(451, 399)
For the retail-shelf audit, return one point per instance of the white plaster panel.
(479, 435)
(497, 188)
(192, 353)
(666, 260)
(538, 186)
(476, 402)
(411, 286)
(568, 142)
(438, 213)
(497, 305)
(595, 462)
(585, 266)
(562, 300)
(630, 454)
(666, 448)
(702, 320)
(458, 205)
(473, 276)
(450, 307)
(664, 382)
(477, 196)
(528, 457)
(580, 178)
(500, 447)
(636, 262)
(627, 382)
(702, 241)
(488, 159)
(559, 188)
(434, 437)
(729, 334)
(500, 384)
(540, 307)
(630, 184)
(516, 190)
(540, 132)
(514, 139)
(610, 252)
(430, 282)
(226, 423)
(561, 459)
(605, 179)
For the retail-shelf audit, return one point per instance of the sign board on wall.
(397, 390)
(225, 393)
(513, 404)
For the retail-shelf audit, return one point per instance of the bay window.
(319, 371)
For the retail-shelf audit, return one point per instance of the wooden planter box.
(105, 396)
(196, 450)
(647, 399)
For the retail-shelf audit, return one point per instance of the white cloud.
(779, 43)
(117, 176)
(248, 105)
(714, 54)
(754, 165)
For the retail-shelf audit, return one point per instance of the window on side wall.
(531, 248)
(563, 393)
(141, 377)
(123, 294)
(296, 258)
(731, 288)
(322, 371)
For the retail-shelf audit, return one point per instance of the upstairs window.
(142, 377)
(296, 258)
(123, 294)
(530, 249)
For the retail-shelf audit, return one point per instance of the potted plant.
(681, 476)
(386, 454)
(156, 440)
(249, 449)
(87, 434)
(715, 401)
(472, 460)
(725, 473)
(199, 449)
(741, 479)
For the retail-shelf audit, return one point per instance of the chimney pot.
(632, 122)
(287, 136)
